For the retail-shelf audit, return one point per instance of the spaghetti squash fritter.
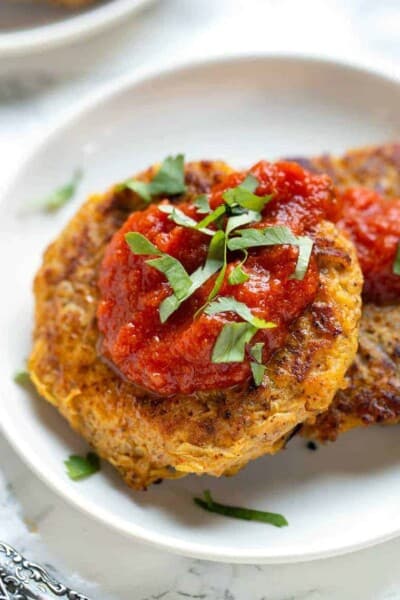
(147, 436)
(372, 395)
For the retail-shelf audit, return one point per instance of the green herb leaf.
(305, 246)
(214, 216)
(59, 197)
(22, 377)
(141, 188)
(237, 512)
(170, 178)
(202, 205)
(168, 307)
(139, 244)
(396, 264)
(215, 255)
(221, 275)
(237, 275)
(271, 236)
(231, 342)
(79, 467)
(213, 263)
(250, 216)
(256, 351)
(179, 217)
(250, 183)
(243, 195)
(229, 304)
(168, 181)
(258, 372)
(174, 271)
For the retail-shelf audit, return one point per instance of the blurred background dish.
(32, 25)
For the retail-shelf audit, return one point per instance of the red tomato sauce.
(373, 224)
(175, 357)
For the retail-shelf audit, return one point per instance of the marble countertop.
(34, 92)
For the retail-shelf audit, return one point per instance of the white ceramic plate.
(344, 496)
(25, 28)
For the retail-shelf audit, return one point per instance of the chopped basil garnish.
(141, 188)
(221, 275)
(139, 244)
(179, 217)
(173, 270)
(243, 196)
(168, 181)
(231, 342)
(250, 183)
(234, 221)
(271, 236)
(245, 218)
(79, 467)
(231, 224)
(213, 264)
(258, 372)
(257, 368)
(237, 512)
(256, 351)
(237, 275)
(59, 197)
(396, 264)
(228, 304)
(202, 205)
(212, 217)
(22, 377)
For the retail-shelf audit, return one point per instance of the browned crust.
(373, 392)
(146, 437)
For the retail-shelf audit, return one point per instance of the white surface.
(33, 92)
(26, 27)
(238, 110)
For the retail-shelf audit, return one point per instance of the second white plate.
(340, 498)
(26, 28)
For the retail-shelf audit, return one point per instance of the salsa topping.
(198, 296)
(373, 223)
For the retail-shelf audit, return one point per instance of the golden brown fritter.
(147, 437)
(373, 392)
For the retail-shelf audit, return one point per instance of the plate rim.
(80, 25)
(166, 541)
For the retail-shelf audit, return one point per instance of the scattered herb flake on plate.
(59, 197)
(80, 467)
(238, 512)
(22, 377)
